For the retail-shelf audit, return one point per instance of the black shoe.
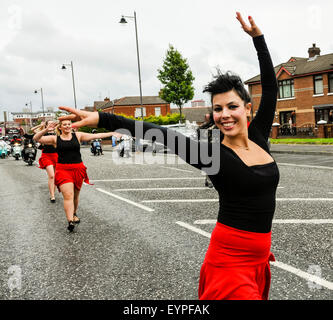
(76, 221)
(71, 226)
(52, 200)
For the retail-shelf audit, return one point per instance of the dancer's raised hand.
(51, 125)
(81, 118)
(251, 29)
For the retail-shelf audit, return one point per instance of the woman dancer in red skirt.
(70, 170)
(236, 264)
(48, 160)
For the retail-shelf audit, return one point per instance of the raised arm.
(49, 140)
(265, 115)
(35, 129)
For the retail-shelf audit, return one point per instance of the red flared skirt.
(48, 159)
(236, 265)
(75, 173)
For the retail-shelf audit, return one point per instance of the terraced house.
(305, 92)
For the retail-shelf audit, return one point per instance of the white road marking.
(303, 166)
(162, 189)
(126, 200)
(179, 200)
(286, 221)
(177, 169)
(197, 230)
(216, 200)
(307, 276)
(147, 179)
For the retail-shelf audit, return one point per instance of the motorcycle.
(16, 151)
(3, 150)
(9, 149)
(96, 148)
(29, 153)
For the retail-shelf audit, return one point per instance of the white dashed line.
(147, 179)
(162, 189)
(126, 200)
(281, 221)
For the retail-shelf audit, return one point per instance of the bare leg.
(50, 174)
(67, 191)
(76, 201)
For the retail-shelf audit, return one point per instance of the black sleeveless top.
(68, 150)
(48, 148)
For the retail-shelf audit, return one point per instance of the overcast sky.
(38, 36)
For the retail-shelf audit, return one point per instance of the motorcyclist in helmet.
(92, 142)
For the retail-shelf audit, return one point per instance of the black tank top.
(68, 150)
(48, 148)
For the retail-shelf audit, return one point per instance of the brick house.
(131, 106)
(305, 90)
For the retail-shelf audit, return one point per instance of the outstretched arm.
(265, 115)
(92, 136)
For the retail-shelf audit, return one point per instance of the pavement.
(306, 149)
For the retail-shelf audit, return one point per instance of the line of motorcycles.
(27, 152)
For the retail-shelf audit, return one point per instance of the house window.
(138, 112)
(286, 89)
(157, 111)
(330, 82)
(318, 84)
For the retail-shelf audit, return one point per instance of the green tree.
(176, 78)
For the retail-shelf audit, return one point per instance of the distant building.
(195, 113)
(198, 103)
(26, 117)
(131, 106)
(305, 89)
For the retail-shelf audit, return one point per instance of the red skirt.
(48, 159)
(75, 173)
(236, 265)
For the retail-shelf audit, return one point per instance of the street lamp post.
(123, 21)
(41, 93)
(30, 112)
(64, 68)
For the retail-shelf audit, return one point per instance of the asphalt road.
(145, 229)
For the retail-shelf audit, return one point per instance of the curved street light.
(64, 68)
(123, 22)
(41, 93)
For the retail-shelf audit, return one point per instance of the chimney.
(314, 51)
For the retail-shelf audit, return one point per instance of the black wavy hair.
(224, 82)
